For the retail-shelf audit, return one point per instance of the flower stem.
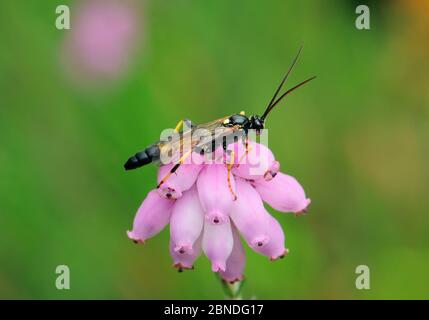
(231, 290)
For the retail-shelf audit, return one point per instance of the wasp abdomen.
(142, 158)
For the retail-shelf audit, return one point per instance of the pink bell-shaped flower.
(275, 248)
(258, 162)
(186, 221)
(215, 195)
(183, 260)
(249, 215)
(217, 244)
(283, 193)
(236, 261)
(152, 216)
(178, 182)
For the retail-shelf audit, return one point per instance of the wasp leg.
(230, 165)
(225, 149)
(248, 149)
(175, 167)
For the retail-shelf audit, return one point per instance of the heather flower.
(274, 248)
(209, 214)
(217, 244)
(257, 163)
(152, 216)
(283, 193)
(250, 216)
(185, 261)
(215, 195)
(236, 260)
(183, 179)
(186, 221)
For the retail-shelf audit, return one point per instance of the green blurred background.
(356, 138)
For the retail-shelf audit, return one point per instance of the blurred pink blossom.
(102, 40)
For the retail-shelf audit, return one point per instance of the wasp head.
(256, 123)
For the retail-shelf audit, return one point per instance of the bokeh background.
(75, 104)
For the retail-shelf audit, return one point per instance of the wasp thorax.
(236, 120)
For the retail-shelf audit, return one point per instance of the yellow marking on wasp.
(226, 121)
(181, 160)
(230, 165)
(242, 113)
(179, 126)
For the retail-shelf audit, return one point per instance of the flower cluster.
(209, 209)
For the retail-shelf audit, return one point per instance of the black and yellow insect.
(218, 132)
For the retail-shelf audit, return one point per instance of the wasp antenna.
(286, 93)
(282, 82)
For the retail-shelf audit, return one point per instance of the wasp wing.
(202, 138)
